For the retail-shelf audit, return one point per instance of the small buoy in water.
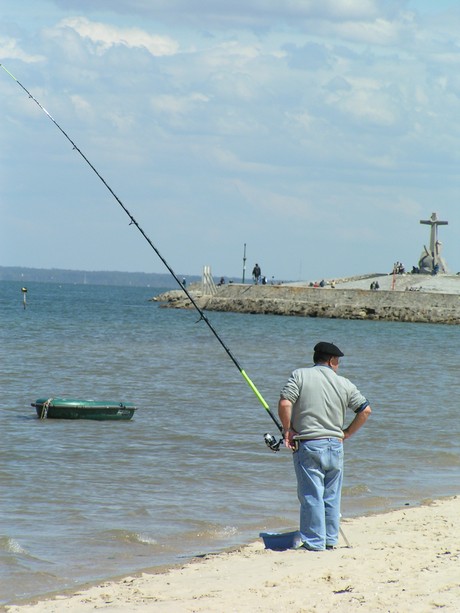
(24, 292)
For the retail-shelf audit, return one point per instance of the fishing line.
(269, 439)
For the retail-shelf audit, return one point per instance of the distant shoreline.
(26, 275)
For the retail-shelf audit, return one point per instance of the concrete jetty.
(405, 298)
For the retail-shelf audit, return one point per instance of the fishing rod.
(269, 439)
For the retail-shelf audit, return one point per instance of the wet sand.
(405, 560)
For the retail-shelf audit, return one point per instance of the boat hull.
(75, 408)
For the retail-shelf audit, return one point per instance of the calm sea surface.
(83, 501)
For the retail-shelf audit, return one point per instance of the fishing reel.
(271, 442)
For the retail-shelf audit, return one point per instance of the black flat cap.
(328, 349)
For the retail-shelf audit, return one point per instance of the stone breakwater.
(390, 305)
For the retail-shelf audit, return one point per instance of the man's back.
(320, 400)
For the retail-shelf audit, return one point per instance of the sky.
(309, 136)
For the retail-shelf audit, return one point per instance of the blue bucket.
(281, 542)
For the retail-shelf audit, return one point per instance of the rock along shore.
(430, 300)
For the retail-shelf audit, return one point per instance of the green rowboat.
(75, 408)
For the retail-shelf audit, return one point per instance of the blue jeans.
(319, 469)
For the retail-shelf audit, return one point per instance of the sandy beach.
(405, 560)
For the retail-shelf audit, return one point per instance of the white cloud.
(10, 50)
(301, 119)
(271, 204)
(376, 32)
(177, 105)
(80, 104)
(367, 105)
(105, 36)
(256, 14)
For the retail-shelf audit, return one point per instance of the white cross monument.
(431, 261)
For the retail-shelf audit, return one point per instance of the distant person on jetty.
(312, 410)
(256, 272)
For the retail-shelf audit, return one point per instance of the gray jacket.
(320, 399)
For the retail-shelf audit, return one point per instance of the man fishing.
(312, 410)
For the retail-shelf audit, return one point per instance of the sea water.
(83, 501)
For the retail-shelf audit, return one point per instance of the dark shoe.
(308, 548)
